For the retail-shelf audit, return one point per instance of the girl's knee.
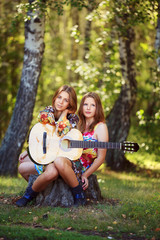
(51, 174)
(62, 164)
(26, 168)
(51, 177)
(59, 164)
(21, 168)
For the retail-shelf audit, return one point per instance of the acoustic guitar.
(45, 146)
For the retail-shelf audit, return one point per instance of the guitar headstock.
(130, 147)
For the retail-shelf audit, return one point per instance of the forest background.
(102, 46)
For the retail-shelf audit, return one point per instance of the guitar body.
(45, 146)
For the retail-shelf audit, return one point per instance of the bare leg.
(61, 166)
(50, 174)
(26, 168)
(64, 167)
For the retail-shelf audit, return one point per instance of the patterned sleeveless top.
(89, 154)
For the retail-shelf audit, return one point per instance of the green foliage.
(103, 75)
(101, 70)
(42, 6)
(149, 115)
(25, 9)
(130, 13)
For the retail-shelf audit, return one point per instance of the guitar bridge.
(44, 142)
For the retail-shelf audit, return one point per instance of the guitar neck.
(94, 144)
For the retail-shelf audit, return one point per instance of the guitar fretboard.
(94, 144)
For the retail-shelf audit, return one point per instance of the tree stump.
(58, 193)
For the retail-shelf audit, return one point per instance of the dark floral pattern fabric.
(77, 168)
(63, 126)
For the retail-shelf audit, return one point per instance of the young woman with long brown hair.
(93, 127)
(62, 115)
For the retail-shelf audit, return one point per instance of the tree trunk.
(22, 115)
(58, 193)
(118, 120)
(74, 46)
(91, 6)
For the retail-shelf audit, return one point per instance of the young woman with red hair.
(93, 127)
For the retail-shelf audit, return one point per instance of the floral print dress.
(89, 154)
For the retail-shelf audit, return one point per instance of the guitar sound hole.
(65, 145)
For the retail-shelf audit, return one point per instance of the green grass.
(28, 233)
(130, 210)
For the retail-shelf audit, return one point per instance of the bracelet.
(25, 156)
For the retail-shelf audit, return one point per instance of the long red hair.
(99, 114)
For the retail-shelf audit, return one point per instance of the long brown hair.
(72, 98)
(99, 114)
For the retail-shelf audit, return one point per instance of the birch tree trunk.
(22, 115)
(118, 120)
(72, 77)
(88, 24)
